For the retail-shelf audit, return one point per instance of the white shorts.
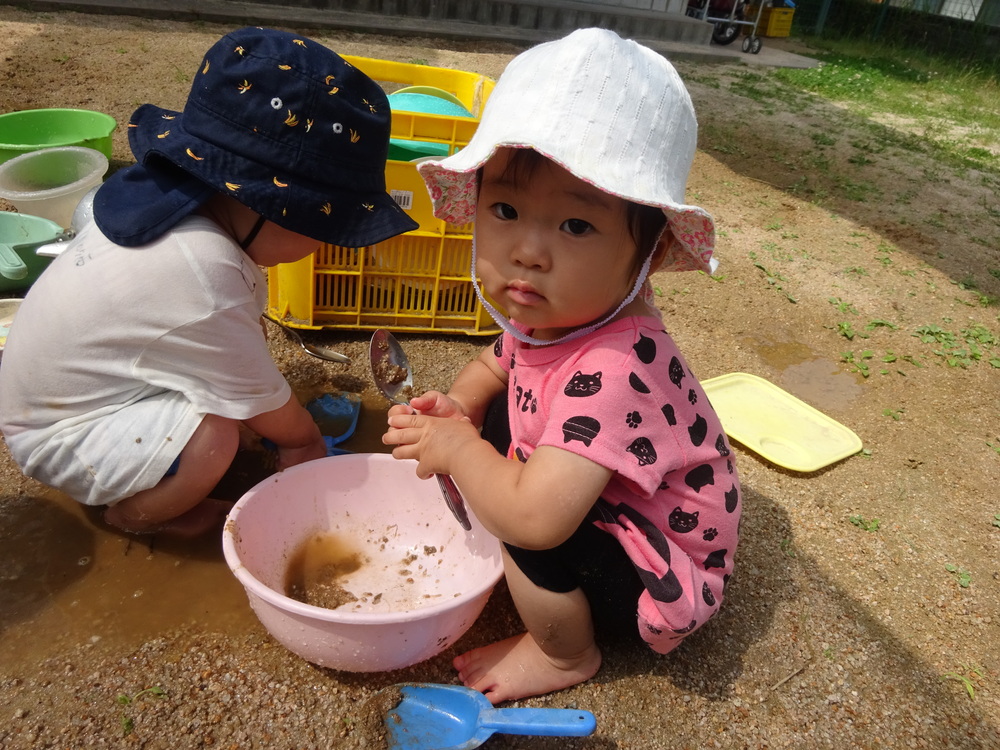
(113, 454)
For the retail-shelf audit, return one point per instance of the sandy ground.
(864, 609)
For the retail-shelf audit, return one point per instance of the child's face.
(555, 252)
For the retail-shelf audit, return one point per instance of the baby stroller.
(723, 31)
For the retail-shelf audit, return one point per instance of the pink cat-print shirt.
(624, 397)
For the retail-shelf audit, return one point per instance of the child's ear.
(663, 246)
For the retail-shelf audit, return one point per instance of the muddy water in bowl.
(316, 572)
(335, 573)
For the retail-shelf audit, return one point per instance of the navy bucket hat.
(277, 121)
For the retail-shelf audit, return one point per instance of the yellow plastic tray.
(773, 423)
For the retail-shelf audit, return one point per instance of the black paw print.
(633, 419)
(709, 534)
(692, 397)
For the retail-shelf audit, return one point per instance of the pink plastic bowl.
(433, 578)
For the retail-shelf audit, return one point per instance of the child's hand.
(432, 441)
(292, 430)
(288, 457)
(432, 404)
(437, 404)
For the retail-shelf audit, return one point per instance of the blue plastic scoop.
(452, 717)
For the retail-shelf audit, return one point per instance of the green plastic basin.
(33, 129)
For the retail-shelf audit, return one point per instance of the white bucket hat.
(611, 112)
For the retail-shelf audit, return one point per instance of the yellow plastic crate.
(774, 22)
(419, 281)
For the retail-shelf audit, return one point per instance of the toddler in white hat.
(601, 465)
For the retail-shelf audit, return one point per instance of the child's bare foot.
(518, 668)
(201, 519)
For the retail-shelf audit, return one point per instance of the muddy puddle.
(820, 382)
(68, 580)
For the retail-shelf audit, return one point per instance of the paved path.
(774, 52)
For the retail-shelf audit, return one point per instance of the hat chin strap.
(508, 326)
(252, 235)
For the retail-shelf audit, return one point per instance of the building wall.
(640, 4)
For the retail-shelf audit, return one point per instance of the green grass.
(969, 675)
(858, 363)
(962, 577)
(869, 525)
(932, 104)
(899, 102)
(127, 722)
(968, 347)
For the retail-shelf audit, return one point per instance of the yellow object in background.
(783, 429)
(416, 282)
(774, 22)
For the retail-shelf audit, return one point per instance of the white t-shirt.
(117, 354)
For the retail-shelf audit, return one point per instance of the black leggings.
(591, 559)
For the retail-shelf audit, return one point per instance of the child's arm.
(293, 430)
(535, 505)
(479, 382)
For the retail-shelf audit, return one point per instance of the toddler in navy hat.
(139, 352)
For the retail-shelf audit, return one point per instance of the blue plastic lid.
(426, 104)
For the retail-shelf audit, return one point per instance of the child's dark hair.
(645, 223)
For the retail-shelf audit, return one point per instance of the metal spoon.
(320, 352)
(393, 375)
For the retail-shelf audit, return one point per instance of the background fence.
(914, 23)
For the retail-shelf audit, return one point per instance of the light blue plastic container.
(428, 103)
